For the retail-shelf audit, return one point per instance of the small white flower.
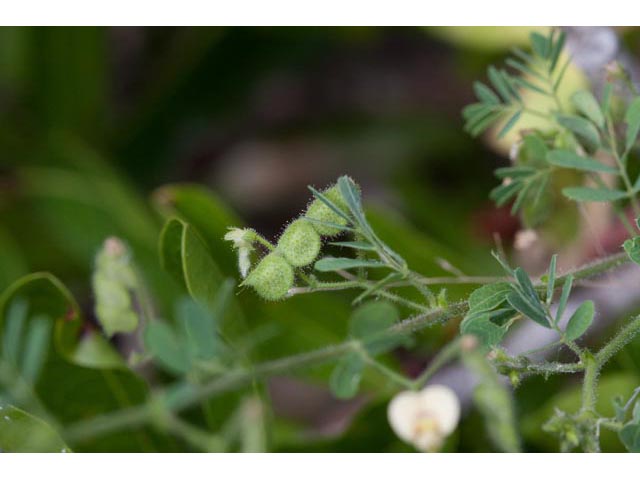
(242, 239)
(424, 418)
(525, 239)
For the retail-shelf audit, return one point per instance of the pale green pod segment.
(300, 243)
(271, 278)
(318, 210)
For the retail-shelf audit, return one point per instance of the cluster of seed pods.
(298, 246)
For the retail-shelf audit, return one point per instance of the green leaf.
(580, 320)
(35, 349)
(355, 245)
(346, 376)
(556, 51)
(569, 159)
(632, 247)
(540, 44)
(606, 97)
(489, 297)
(488, 333)
(583, 129)
(515, 173)
(370, 323)
(503, 193)
(586, 104)
(500, 84)
(564, 297)
(12, 337)
(551, 278)
(632, 119)
(510, 124)
(630, 437)
(200, 207)
(332, 264)
(518, 301)
(46, 296)
(199, 329)
(494, 401)
(186, 257)
(485, 94)
(22, 432)
(587, 194)
(372, 318)
(165, 346)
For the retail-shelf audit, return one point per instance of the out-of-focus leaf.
(632, 119)
(22, 432)
(185, 256)
(586, 104)
(569, 159)
(583, 129)
(201, 208)
(632, 247)
(370, 322)
(495, 402)
(587, 194)
(346, 376)
(630, 436)
(46, 295)
(162, 342)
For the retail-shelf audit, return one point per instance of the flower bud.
(300, 243)
(318, 210)
(242, 239)
(271, 278)
(114, 281)
(424, 418)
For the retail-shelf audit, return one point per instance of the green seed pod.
(300, 243)
(271, 278)
(318, 210)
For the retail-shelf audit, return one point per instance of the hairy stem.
(237, 378)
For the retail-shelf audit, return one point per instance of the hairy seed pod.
(318, 210)
(271, 278)
(300, 243)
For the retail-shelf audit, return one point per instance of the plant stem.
(590, 383)
(387, 372)
(448, 353)
(621, 167)
(624, 336)
(237, 378)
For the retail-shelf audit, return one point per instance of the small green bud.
(514, 377)
(242, 239)
(114, 282)
(271, 278)
(318, 210)
(300, 243)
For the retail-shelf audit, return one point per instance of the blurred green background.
(100, 128)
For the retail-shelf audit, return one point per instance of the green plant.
(208, 383)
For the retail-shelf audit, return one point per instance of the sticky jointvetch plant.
(584, 156)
